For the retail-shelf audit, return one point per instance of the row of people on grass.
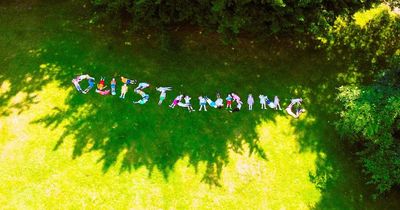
(184, 100)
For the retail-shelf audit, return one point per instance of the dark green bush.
(367, 40)
(368, 44)
(229, 17)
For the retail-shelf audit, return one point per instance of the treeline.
(259, 18)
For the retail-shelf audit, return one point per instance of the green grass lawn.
(62, 149)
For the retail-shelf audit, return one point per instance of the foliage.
(229, 17)
(371, 116)
(365, 41)
(392, 3)
(128, 141)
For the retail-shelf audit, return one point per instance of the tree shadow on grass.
(150, 136)
(338, 173)
(19, 88)
(156, 137)
(22, 74)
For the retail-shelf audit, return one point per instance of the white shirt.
(219, 102)
(262, 99)
(187, 99)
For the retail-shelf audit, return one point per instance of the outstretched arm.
(161, 89)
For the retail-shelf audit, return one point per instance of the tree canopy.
(369, 112)
(229, 17)
(371, 116)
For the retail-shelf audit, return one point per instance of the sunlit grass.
(41, 56)
(35, 176)
(5, 87)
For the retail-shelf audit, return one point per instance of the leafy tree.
(364, 41)
(369, 102)
(392, 3)
(229, 17)
(371, 116)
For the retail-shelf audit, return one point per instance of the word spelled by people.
(183, 100)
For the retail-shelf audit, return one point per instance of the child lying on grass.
(142, 86)
(235, 97)
(145, 97)
(250, 101)
(203, 103)
(186, 104)
(299, 110)
(113, 86)
(124, 90)
(101, 84)
(163, 93)
(263, 101)
(229, 101)
(219, 102)
(78, 79)
(100, 87)
(176, 101)
(210, 102)
(91, 85)
(128, 81)
(275, 105)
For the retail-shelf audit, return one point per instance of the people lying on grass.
(101, 84)
(103, 92)
(163, 93)
(235, 97)
(145, 97)
(211, 102)
(219, 102)
(186, 104)
(229, 101)
(238, 107)
(78, 79)
(82, 77)
(138, 90)
(176, 101)
(113, 86)
(203, 103)
(299, 110)
(263, 101)
(76, 84)
(250, 101)
(124, 90)
(296, 101)
(128, 81)
(91, 85)
(142, 86)
(274, 105)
